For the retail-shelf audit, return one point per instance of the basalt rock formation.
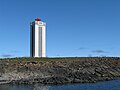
(58, 70)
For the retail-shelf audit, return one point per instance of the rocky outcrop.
(58, 70)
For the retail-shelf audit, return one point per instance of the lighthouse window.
(40, 41)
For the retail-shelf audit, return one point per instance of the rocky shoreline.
(58, 70)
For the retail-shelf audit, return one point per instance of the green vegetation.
(54, 58)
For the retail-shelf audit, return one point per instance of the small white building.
(38, 38)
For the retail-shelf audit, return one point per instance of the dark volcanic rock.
(59, 71)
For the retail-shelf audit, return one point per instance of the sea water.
(104, 85)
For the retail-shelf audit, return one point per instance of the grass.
(51, 59)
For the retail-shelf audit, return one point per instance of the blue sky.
(74, 27)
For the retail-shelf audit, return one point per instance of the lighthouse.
(38, 38)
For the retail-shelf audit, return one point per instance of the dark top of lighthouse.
(37, 19)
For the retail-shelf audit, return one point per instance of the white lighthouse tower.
(38, 38)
